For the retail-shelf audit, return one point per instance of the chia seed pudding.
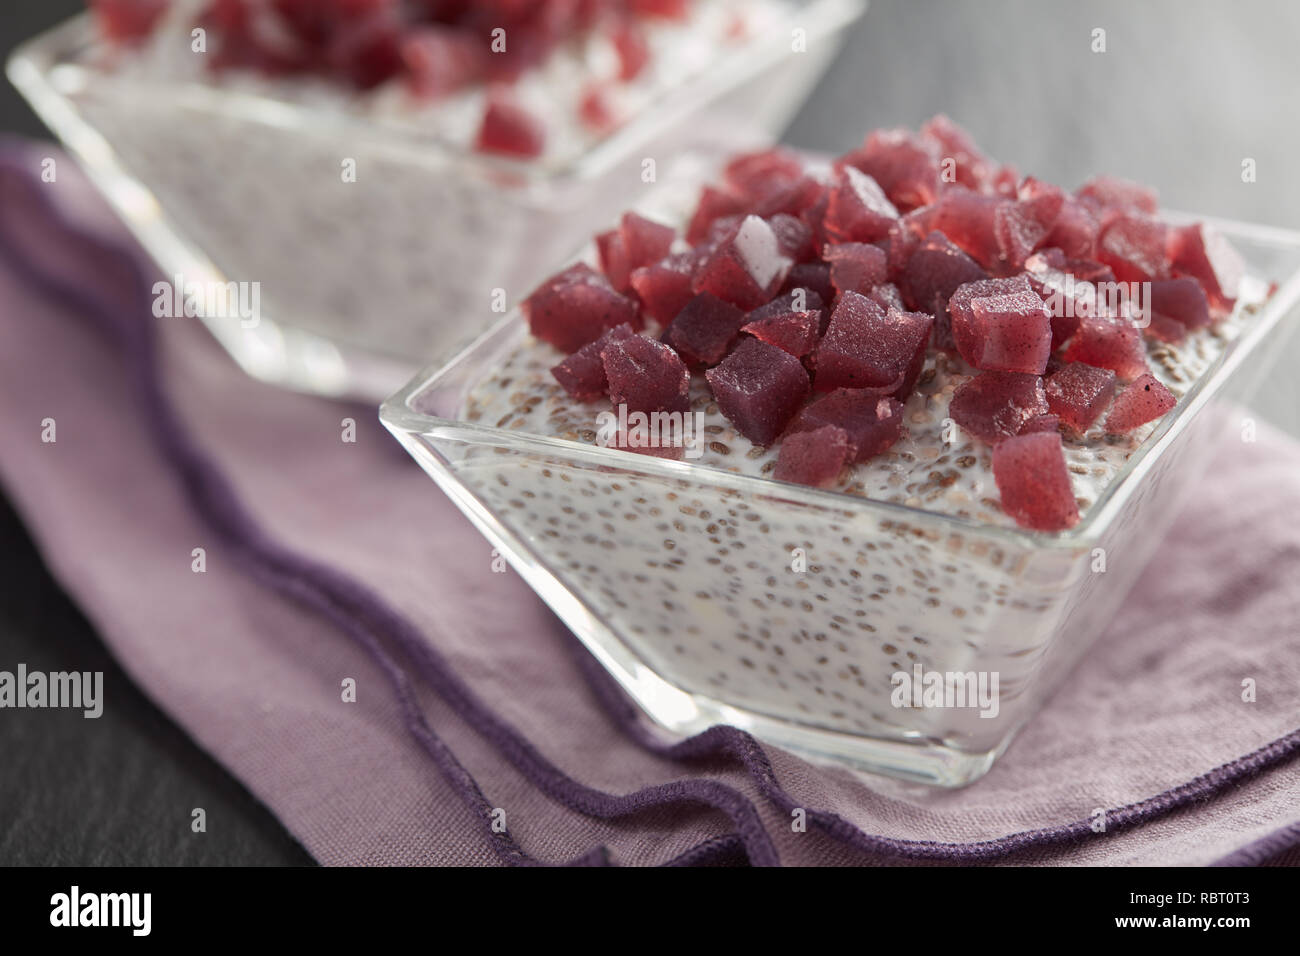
(765, 600)
(705, 577)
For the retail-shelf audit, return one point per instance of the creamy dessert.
(914, 324)
(373, 164)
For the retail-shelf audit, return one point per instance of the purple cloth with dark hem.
(327, 560)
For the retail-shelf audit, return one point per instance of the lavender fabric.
(327, 560)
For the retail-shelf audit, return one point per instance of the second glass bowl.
(362, 283)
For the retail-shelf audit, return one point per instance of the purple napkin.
(482, 732)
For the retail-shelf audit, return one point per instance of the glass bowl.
(363, 283)
(714, 597)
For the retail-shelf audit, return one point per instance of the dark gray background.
(1184, 92)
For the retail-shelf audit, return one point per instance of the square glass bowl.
(684, 580)
(362, 284)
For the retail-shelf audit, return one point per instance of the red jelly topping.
(814, 309)
(1032, 478)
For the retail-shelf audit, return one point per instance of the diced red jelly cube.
(904, 239)
(595, 109)
(714, 204)
(872, 421)
(661, 9)
(1001, 325)
(1021, 226)
(1046, 269)
(857, 209)
(704, 330)
(751, 175)
(958, 152)
(582, 374)
(856, 266)
(510, 130)
(1041, 423)
(793, 332)
(796, 300)
(907, 168)
(665, 287)
(792, 199)
(759, 387)
(440, 60)
(1164, 329)
(1177, 306)
(984, 287)
(813, 276)
(746, 268)
(528, 47)
(935, 271)
(1143, 401)
(996, 405)
(967, 218)
(1075, 230)
(1108, 343)
(1202, 252)
(1134, 247)
(793, 236)
(1078, 394)
(1083, 289)
(1034, 483)
(646, 375)
(887, 296)
(866, 346)
(632, 49)
(244, 43)
(645, 240)
(814, 458)
(1003, 182)
(917, 365)
(1112, 192)
(614, 259)
(305, 19)
(1031, 187)
(814, 217)
(368, 52)
(127, 21)
(720, 231)
(1087, 270)
(654, 445)
(1068, 298)
(575, 307)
